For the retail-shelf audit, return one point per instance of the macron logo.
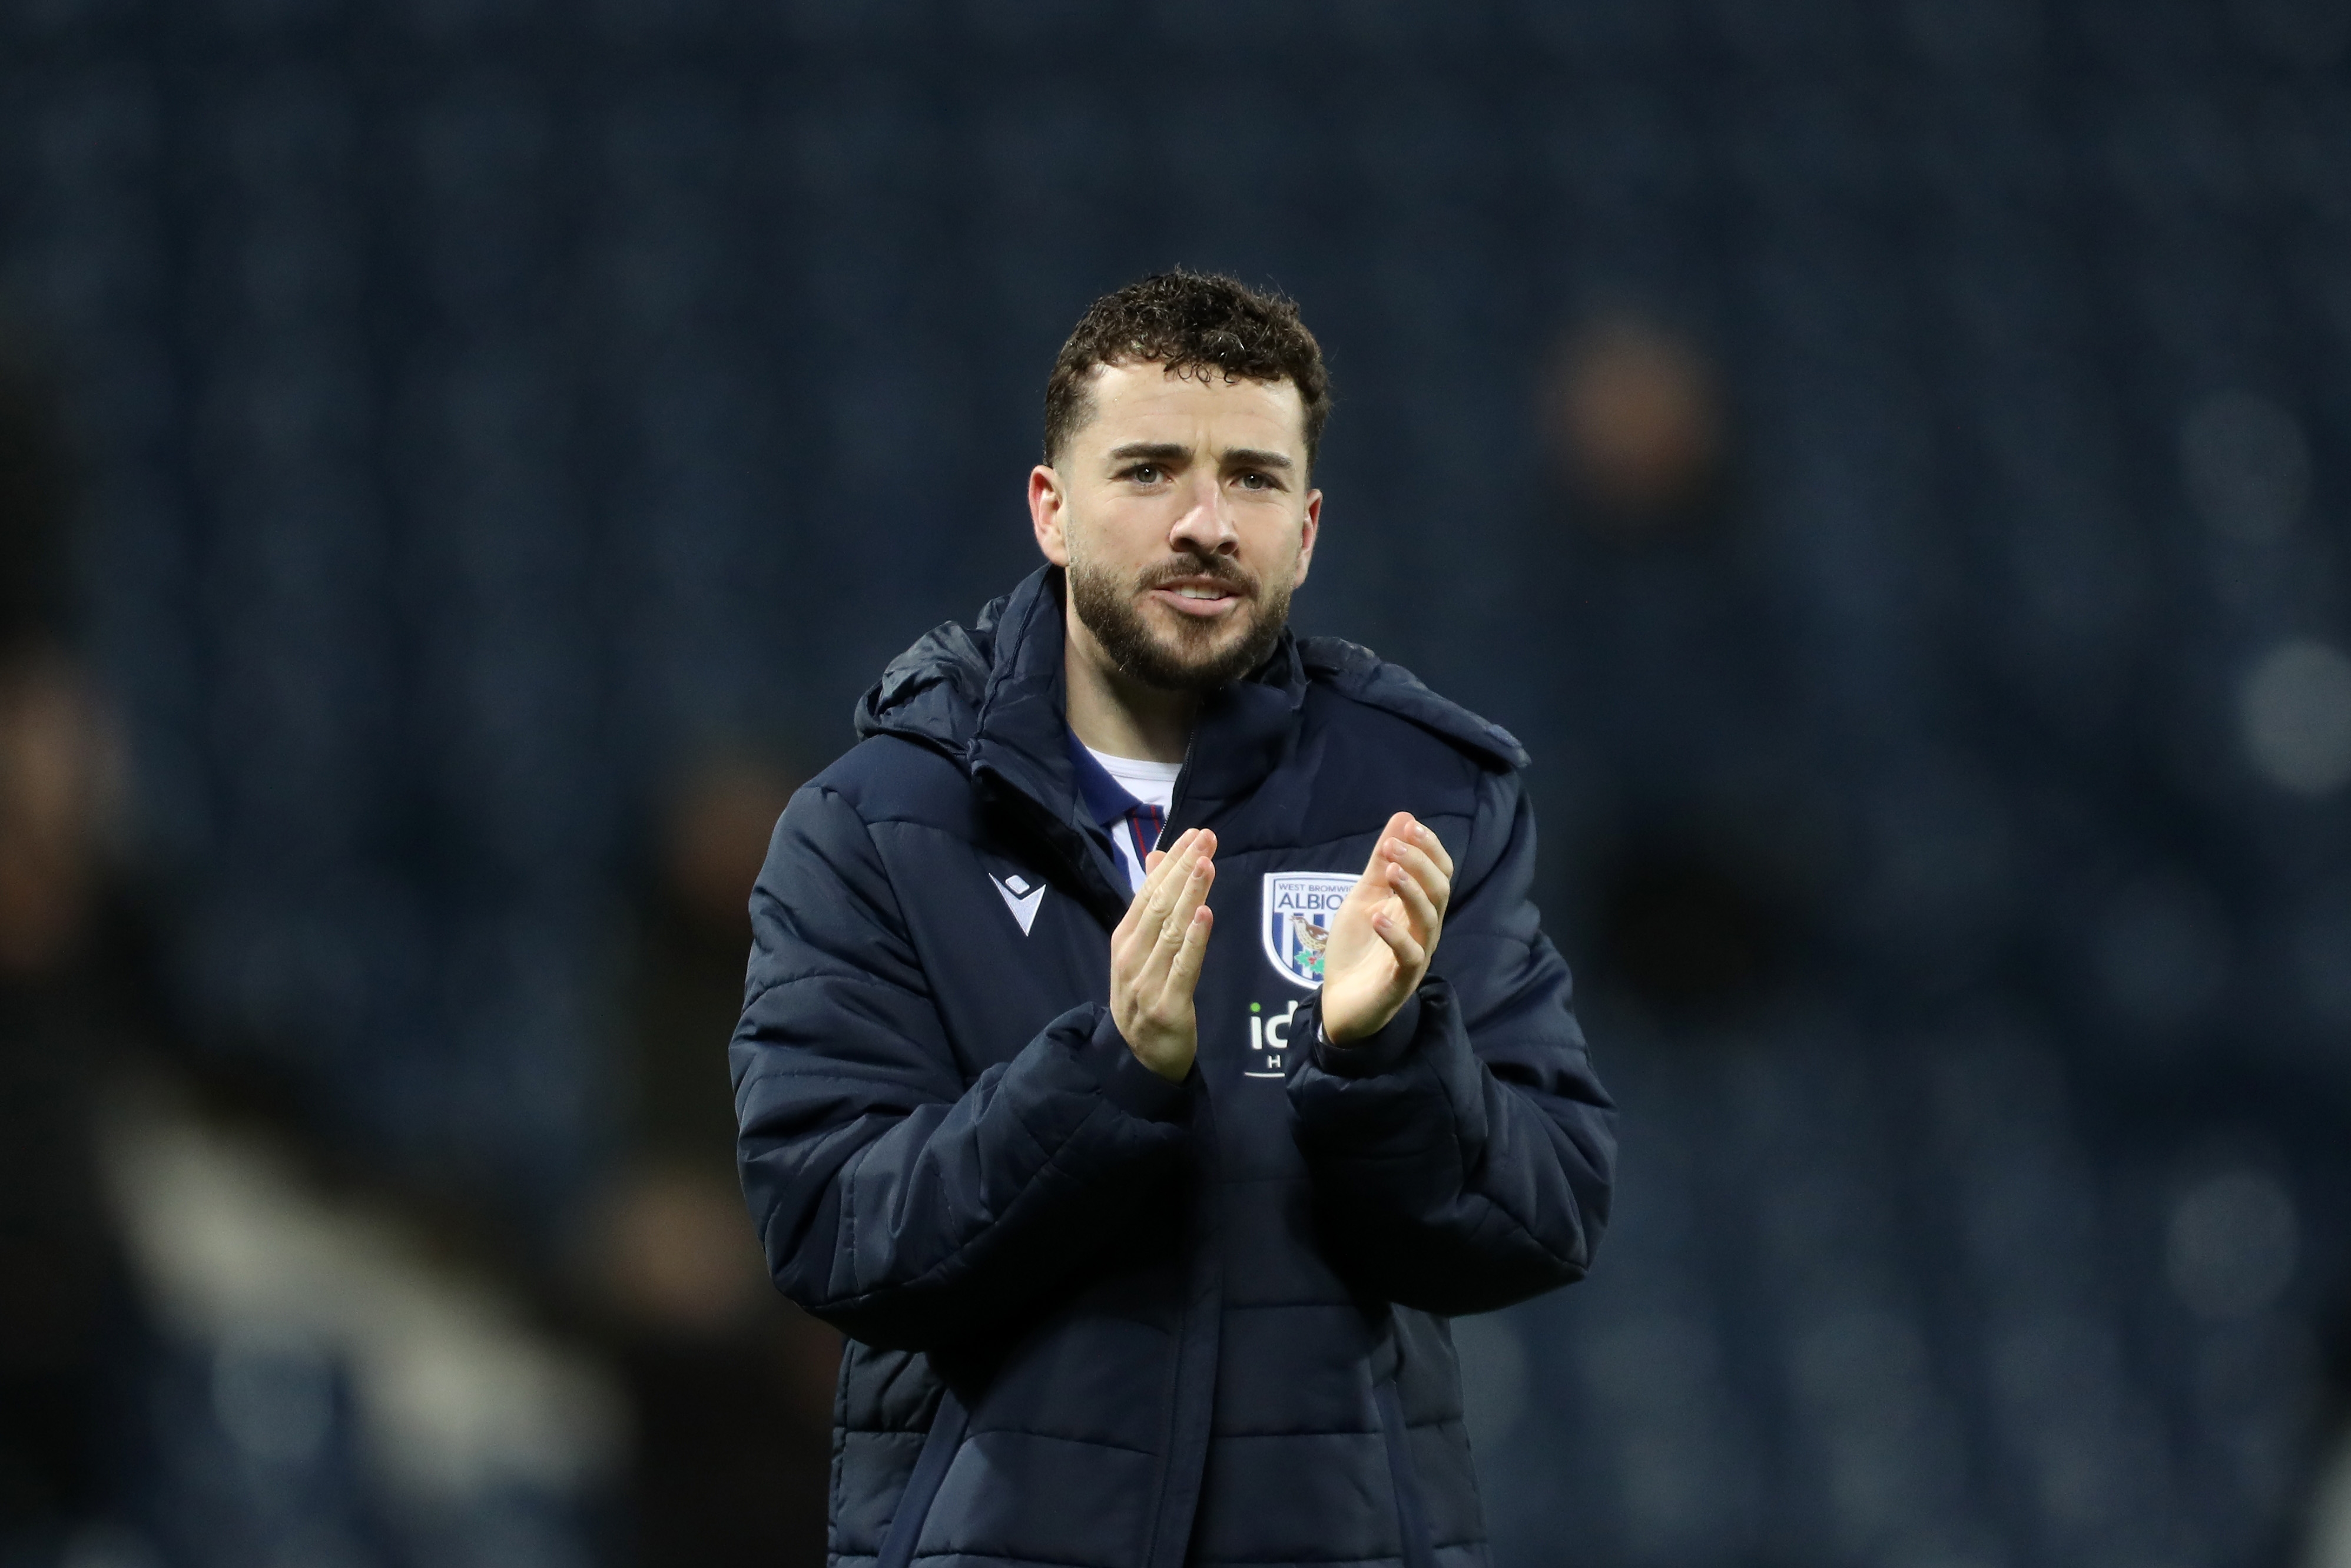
(1021, 896)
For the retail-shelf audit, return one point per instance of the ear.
(1308, 531)
(1048, 511)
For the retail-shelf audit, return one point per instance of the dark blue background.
(492, 405)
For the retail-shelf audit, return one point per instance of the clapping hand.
(1384, 930)
(1156, 952)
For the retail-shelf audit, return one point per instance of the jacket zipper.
(938, 1452)
(1412, 1517)
(1169, 831)
(1043, 828)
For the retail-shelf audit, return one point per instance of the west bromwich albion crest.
(1296, 923)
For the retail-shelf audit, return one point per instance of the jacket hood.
(945, 690)
(932, 692)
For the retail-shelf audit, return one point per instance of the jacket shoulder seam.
(1354, 671)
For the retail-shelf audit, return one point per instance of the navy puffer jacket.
(1098, 1320)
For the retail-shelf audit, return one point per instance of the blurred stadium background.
(1890, 461)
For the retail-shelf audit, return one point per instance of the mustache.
(1223, 570)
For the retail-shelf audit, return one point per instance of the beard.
(1190, 655)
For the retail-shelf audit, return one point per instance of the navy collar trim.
(1106, 800)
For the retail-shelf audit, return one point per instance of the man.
(1148, 1041)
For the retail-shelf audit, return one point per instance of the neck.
(1117, 715)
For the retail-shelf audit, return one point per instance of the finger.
(1183, 967)
(1137, 936)
(1410, 955)
(1419, 911)
(1373, 883)
(1398, 826)
(1425, 837)
(1191, 893)
(1411, 859)
(1173, 861)
(1151, 864)
(1155, 864)
(1151, 900)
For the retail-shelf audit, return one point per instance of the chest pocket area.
(1002, 952)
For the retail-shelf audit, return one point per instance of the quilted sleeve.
(1462, 1156)
(899, 1203)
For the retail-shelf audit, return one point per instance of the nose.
(1206, 525)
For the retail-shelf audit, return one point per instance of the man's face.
(1180, 512)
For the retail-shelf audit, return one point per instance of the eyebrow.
(1172, 452)
(1251, 457)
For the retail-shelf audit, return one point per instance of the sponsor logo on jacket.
(1269, 1042)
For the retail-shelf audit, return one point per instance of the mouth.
(1201, 598)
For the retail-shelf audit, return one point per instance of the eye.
(1251, 479)
(1144, 473)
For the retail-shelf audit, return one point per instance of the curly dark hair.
(1190, 322)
